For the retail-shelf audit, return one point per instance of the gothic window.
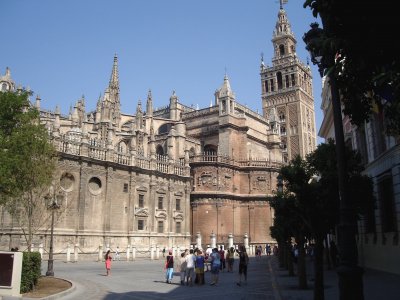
(281, 50)
(287, 81)
(163, 129)
(140, 225)
(283, 130)
(293, 79)
(125, 187)
(4, 87)
(266, 86)
(160, 203)
(178, 227)
(141, 201)
(292, 48)
(192, 153)
(178, 204)
(223, 104)
(160, 150)
(279, 78)
(271, 83)
(160, 227)
(282, 117)
(387, 205)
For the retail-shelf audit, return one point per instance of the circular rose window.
(95, 185)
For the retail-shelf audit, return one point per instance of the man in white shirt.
(190, 268)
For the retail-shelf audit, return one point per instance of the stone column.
(68, 252)
(246, 242)
(128, 252)
(157, 252)
(213, 240)
(100, 258)
(76, 247)
(230, 240)
(198, 240)
(133, 253)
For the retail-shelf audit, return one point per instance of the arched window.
(192, 152)
(279, 78)
(281, 50)
(160, 150)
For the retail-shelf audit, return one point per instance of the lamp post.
(350, 274)
(53, 207)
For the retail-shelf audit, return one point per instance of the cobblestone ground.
(145, 279)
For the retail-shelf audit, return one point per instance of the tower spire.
(114, 80)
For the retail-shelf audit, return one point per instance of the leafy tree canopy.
(358, 42)
(26, 153)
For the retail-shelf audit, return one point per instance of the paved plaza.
(145, 279)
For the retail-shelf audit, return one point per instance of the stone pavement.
(145, 279)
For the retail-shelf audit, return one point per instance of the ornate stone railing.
(252, 162)
(98, 150)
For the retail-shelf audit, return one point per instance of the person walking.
(199, 267)
(222, 256)
(243, 262)
(190, 268)
(169, 265)
(230, 256)
(215, 265)
(183, 267)
(108, 259)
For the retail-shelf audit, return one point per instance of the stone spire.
(139, 115)
(149, 105)
(114, 79)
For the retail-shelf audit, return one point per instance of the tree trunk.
(289, 256)
(329, 263)
(301, 264)
(281, 255)
(319, 269)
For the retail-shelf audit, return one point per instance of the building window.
(178, 227)
(141, 201)
(140, 225)
(160, 227)
(387, 205)
(287, 81)
(271, 83)
(281, 50)
(279, 78)
(160, 203)
(266, 86)
(293, 79)
(178, 204)
(125, 187)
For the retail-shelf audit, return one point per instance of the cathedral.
(177, 176)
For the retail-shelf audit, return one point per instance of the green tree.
(363, 58)
(27, 160)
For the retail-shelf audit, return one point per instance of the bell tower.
(287, 87)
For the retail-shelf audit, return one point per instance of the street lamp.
(53, 206)
(350, 274)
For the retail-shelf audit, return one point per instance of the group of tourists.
(192, 264)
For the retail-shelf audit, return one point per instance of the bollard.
(41, 250)
(100, 257)
(128, 250)
(76, 247)
(68, 252)
(157, 252)
(152, 253)
(133, 253)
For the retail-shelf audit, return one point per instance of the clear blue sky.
(63, 49)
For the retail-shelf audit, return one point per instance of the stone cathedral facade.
(165, 176)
